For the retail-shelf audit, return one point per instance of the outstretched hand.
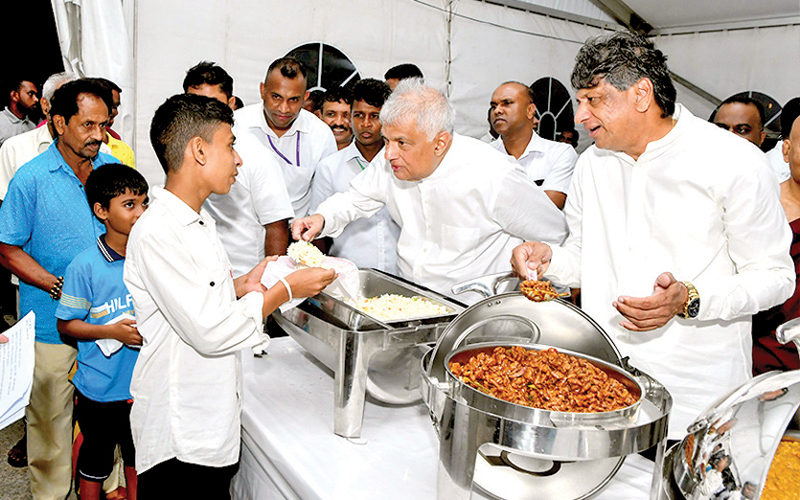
(307, 228)
(648, 313)
(531, 257)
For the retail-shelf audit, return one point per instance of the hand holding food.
(307, 228)
(310, 281)
(531, 259)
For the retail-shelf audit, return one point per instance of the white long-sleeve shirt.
(699, 203)
(459, 223)
(186, 385)
(369, 242)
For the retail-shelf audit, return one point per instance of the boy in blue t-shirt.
(97, 309)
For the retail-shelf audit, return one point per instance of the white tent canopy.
(717, 47)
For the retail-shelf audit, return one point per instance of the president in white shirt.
(461, 205)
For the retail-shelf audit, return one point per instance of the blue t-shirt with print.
(45, 212)
(95, 293)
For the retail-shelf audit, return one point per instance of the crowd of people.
(676, 232)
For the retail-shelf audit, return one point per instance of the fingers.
(531, 256)
(307, 228)
(3, 339)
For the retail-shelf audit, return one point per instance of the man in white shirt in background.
(194, 317)
(335, 112)
(297, 138)
(369, 242)
(461, 206)
(677, 236)
(548, 163)
(252, 217)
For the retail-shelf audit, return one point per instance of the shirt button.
(212, 283)
(202, 223)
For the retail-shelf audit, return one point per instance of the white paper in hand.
(110, 346)
(346, 283)
(16, 370)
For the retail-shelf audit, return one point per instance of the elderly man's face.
(609, 115)
(83, 134)
(741, 119)
(410, 153)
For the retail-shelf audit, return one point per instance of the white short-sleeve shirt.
(257, 198)
(548, 163)
(298, 151)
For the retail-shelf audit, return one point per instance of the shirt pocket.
(460, 242)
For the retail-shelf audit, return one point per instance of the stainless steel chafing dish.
(367, 355)
(738, 436)
(516, 452)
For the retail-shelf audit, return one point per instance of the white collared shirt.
(548, 163)
(702, 204)
(369, 242)
(459, 223)
(257, 198)
(307, 141)
(186, 385)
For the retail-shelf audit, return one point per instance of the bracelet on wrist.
(55, 290)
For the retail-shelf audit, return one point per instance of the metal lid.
(743, 429)
(513, 318)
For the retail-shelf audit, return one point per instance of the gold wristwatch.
(692, 305)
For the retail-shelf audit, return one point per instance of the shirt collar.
(182, 212)
(351, 152)
(58, 159)
(14, 118)
(107, 251)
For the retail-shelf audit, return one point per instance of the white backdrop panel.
(244, 36)
(727, 62)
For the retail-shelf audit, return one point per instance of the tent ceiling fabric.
(677, 13)
(485, 44)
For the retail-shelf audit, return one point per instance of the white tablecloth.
(289, 450)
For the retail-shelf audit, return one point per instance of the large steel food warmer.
(513, 452)
(730, 448)
(368, 356)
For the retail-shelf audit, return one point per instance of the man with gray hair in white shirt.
(461, 205)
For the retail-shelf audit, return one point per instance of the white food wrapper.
(345, 286)
(110, 346)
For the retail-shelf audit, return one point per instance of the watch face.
(693, 309)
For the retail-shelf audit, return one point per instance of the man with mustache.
(45, 221)
(336, 114)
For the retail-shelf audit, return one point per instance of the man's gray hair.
(428, 107)
(56, 80)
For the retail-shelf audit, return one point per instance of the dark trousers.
(175, 479)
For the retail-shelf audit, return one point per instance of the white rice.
(305, 253)
(391, 306)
